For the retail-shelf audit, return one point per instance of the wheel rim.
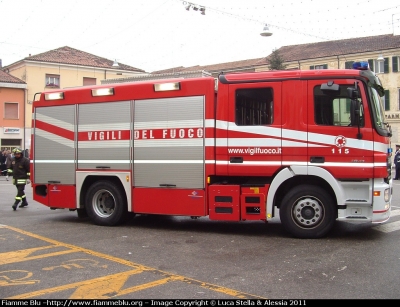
(308, 212)
(103, 203)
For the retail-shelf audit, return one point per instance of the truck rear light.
(103, 92)
(54, 96)
(172, 86)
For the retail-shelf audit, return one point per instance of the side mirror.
(355, 115)
(354, 112)
(352, 93)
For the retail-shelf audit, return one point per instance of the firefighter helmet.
(17, 151)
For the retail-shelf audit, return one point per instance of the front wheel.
(307, 212)
(105, 203)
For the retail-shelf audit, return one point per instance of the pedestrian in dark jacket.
(396, 161)
(9, 158)
(3, 158)
(20, 170)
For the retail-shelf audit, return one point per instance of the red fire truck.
(309, 147)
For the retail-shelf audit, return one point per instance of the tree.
(276, 61)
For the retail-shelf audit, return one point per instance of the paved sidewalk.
(4, 178)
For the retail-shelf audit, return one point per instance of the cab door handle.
(236, 160)
(317, 160)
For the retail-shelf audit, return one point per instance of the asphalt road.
(55, 254)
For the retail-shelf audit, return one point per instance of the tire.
(105, 204)
(307, 212)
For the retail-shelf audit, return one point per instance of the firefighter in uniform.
(20, 170)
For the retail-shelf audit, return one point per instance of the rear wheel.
(105, 203)
(308, 212)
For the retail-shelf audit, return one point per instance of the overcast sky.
(159, 34)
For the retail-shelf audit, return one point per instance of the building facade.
(382, 53)
(12, 111)
(61, 68)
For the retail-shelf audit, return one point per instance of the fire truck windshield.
(376, 93)
(377, 105)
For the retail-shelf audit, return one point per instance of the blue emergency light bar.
(362, 65)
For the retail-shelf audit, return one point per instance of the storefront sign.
(392, 115)
(11, 130)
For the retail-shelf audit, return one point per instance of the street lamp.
(265, 31)
(380, 58)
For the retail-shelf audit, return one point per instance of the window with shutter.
(11, 110)
(348, 65)
(371, 64)
(386, 66)
(398, 99)
(379, 66)
(387, 102)
(395, 64)
(323, 66)
(52, 81)
(89, 81)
